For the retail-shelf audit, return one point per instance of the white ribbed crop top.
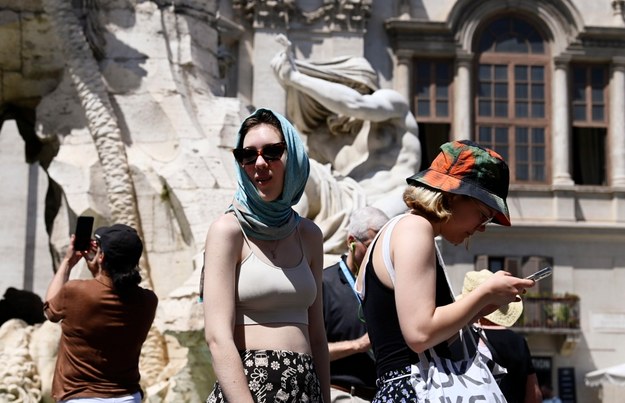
(270, 294)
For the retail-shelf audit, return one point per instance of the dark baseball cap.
(466, 168)
(120, 243)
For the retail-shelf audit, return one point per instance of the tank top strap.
(386, 253)
(299, 241)
(386, 247)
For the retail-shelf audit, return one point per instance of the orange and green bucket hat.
(466, 168)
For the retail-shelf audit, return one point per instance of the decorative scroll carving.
(618, 6)
(19, 379)
(336, 15)
(268, 13)
(341, 15)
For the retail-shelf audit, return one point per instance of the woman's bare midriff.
(275, 336)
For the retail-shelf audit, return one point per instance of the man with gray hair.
(352, 368)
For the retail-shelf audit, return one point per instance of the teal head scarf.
(275, 219)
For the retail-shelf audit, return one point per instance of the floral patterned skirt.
(277, 376)
(395, 387)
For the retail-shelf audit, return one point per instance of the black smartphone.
(540, 274)
(84, 226)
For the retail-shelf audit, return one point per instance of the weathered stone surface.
(21, 5)
(43, 347)
(20, 381)
(19, 89)
(11, 34)
(41, 51)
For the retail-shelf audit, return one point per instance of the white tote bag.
(472, 379)
(438, 379)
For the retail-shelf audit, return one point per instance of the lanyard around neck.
(350, 278)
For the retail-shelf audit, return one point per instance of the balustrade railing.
(550, 312)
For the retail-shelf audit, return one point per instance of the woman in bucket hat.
(407, 302)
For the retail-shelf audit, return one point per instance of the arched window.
(512, 93)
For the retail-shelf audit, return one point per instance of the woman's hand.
(503, 288)
(283, 64)
(72, 256)
(91, 257)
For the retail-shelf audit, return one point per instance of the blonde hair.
(431, 204)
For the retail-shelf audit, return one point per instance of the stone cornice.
(601, 43)
(618, 62)
(603, 37)
(421, 37)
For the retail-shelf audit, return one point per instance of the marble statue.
(365, 138)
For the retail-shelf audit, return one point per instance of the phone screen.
(84, 226)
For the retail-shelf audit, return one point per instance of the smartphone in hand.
(540, 274)
(84, 226)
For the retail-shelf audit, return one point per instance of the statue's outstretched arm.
(339, 98)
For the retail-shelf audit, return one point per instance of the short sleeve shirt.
(101, 338)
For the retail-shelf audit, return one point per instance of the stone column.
(402, 74)
(463, 101)
(616, 129)
(561, 135)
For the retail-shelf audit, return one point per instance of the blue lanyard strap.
(350, 278)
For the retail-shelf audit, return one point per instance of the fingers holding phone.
(92, 259)
(535, 277)
(71, 255)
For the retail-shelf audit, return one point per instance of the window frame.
(579, 155)
(432, 90)
(588, 121)
(511, 121)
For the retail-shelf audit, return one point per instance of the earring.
(467, 242)
(352, 246)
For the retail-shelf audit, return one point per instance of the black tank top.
(389, 347)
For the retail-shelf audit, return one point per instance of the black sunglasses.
(270, 152)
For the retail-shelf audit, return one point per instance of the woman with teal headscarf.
(263, 269)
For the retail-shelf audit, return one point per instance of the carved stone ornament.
(336, 15)
(618, 7)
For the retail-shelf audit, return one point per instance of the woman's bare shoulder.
(225, 225)
(308, 228)
(414, 221)
(413, 227)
